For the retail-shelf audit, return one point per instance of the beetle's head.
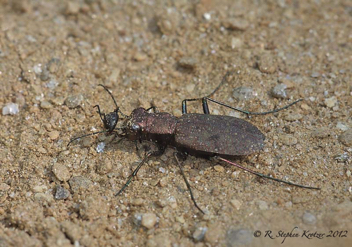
(109, 120)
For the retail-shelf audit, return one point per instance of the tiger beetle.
(204, 135)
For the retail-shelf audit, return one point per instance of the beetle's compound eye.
(135, 127)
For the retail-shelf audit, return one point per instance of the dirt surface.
(53, 55)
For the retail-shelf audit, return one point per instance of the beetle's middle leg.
(187, 183)
(148, 154)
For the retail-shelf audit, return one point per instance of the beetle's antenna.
(118, 109)
(91, 134)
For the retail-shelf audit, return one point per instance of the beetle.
(203, 135)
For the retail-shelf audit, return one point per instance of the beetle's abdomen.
(222, 135)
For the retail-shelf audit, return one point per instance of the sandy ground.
(53, 55)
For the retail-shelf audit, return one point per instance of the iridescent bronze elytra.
(196, 134)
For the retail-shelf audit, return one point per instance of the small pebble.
(293, 116)
(315, 74)
(162, 239)
(180, 219)
(42, 150)
(53, 135)
(100, 147)
(267, 65)
(42, 197)
(240, 236)
(162, 169)
(321, 133)
(288, 140)
(236, 43)
(309, 219)
(213, 234)
(330, 102)
(74, 101)
(114, 76)
(188, 63)
(137, 202)
(61, 193)
(137, 219)
(207, 16)
(52, 84)
(236, 24)
(80, 183)
(139, 57)
(236, 203)
(243, 93)
(4, 187)
(40, 188)
(346, 138)
(165, 26)
(37, 69)
(3, 198)
(53, 65)
(58, 101)
(279, 91)
(287, 82)
(20, 100)
(342, 157)
(73, 231)
(163, 182)
(61, 172)
(72, 8)
(87, 142)
(93, 207)
(219, 168)
(190, 87)
(342, 126)
(45, 75)
(262, 205)
(199, 233)
(305, 107)
(10, 109)
(104, 167)
(149, 220)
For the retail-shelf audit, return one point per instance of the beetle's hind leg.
(266, 176)
(203, 99)
(187, 183)
(207, 98)
(205, 106)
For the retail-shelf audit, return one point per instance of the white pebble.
(10, 108)
(149, 220)
(100, 147)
